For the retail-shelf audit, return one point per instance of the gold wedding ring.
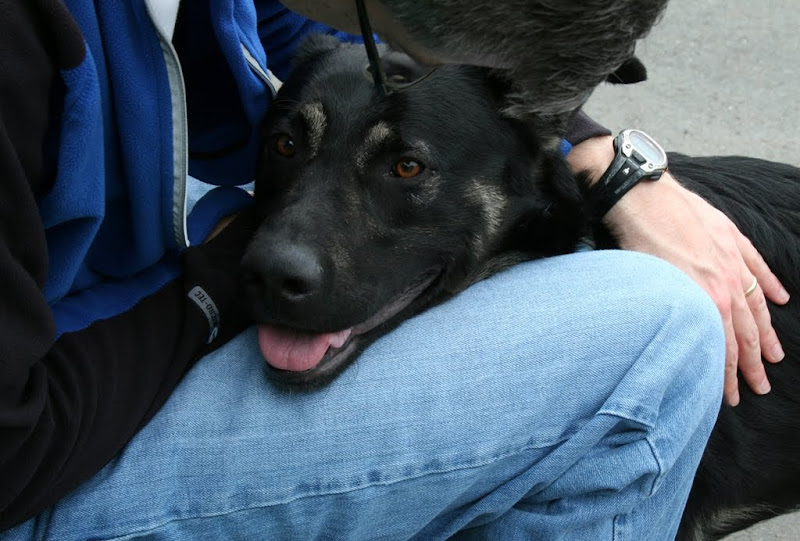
(752, 287)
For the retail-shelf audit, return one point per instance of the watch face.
(648, 148)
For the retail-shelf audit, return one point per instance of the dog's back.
(750, 470)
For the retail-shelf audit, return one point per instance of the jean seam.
(648, 438)
(463, 467)
(617, 531)
(619, 413)
(659, 463)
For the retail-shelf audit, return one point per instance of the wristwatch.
(637, 157)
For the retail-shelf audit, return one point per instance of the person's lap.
(553, 398)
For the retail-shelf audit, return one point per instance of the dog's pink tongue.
(296, 351)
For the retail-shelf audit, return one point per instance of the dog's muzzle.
(295, 351)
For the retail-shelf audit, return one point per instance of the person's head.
(555, 52)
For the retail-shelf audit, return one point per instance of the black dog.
(375, 208)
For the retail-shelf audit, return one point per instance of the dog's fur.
(345, 243)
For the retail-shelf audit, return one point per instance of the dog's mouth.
(298, 356)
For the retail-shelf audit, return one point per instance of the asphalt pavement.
(724, 78)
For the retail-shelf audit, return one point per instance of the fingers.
(769, 286)
(768, 282)
(748, 327)
(730, 391)
(769, 343)
(754, 336)
(751, 322)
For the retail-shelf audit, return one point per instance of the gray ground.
(724, 78)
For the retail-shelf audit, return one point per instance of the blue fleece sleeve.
(281, 31)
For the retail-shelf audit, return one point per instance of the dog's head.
(373, 208)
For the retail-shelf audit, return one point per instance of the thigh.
(452, 405)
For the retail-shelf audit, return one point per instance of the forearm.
(68, 412)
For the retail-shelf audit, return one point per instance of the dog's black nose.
(283, 271)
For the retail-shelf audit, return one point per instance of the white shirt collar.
(163, 13)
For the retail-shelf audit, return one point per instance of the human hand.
(666, 220)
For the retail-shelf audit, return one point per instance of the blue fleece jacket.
(114, 225)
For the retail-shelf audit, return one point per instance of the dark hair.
(555, 51)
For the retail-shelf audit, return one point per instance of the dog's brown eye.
(285, 146)
(407, 168)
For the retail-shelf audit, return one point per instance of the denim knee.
(681, 335)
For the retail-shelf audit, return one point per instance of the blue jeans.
(568, 398)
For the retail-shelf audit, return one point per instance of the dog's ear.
(400, 68)
(631, 71)
(314, 46)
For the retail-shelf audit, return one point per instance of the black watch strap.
(620, 177)
(636, 157)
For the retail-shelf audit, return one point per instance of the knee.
(669, 328)
(655, 291)
(680, 310)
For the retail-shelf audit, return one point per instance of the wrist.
(212, 284)
(592, 157)
(637, 158)
(642, 202)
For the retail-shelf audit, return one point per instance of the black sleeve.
(67, 406)
(581, 127)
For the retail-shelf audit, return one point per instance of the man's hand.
(666, 220)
